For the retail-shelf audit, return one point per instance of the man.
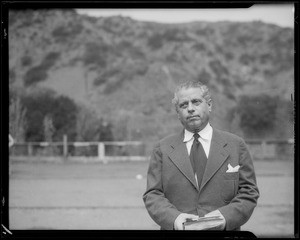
(221, 183)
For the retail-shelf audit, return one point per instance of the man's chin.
(194, 127)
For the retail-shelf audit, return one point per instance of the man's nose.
(190, 108)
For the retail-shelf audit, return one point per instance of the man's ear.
(176, 109)
(209, 104)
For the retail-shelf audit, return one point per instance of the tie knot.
(196, 136)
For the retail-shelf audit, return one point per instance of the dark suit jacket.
(172, 188)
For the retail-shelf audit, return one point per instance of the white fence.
(79, 151)
(127, 151)
(281, 149)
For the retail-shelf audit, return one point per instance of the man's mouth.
(193, 117)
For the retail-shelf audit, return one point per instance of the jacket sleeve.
(239, 210)
(158, 206)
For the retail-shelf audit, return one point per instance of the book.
(203, 223)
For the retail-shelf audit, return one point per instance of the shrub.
(205, 31)
(61, 33)
(39, 73)
(96, 54)
(217, 67)
(204, 76)
(155, 41)
(26, 61)
(257, 114)
(45, 103)
(35, 75)
(50, 59)
(246, 59)
(199, 46)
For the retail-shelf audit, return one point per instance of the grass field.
(109, 196)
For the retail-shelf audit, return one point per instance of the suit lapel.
(217, 155)
(179, 155)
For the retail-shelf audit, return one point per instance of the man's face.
(192, 109)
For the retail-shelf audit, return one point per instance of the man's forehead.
(189, 93)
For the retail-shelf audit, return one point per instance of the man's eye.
(197, 102)
(183, 105)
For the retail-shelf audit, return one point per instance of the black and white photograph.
(177, 119)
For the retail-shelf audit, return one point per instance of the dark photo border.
(6, 233)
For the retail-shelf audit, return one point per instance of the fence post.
(65, 142)
(101, 152)
(29, 147)
(263, 146)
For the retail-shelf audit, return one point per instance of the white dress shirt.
(204, 139)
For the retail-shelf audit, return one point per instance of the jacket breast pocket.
(229, 186)
(231, 176)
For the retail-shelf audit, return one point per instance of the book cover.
(203, 223)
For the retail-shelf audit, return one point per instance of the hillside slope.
(126, 70)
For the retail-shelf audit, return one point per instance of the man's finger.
(192, 217)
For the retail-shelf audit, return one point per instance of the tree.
(104, 131)
(48, 134)
(86, 125)
(257, 114)
(64, 118)
(48, 128)
(62, 110)
(17, 120)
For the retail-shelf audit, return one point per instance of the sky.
(279, 14)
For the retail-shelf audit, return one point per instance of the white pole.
(65, 140)
(101, 152)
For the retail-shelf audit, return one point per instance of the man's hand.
(178, 224)
(221, 225)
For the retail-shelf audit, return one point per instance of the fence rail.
(128, 150)
(79, 151)
(282, 149)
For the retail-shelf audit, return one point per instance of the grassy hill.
(125, 70)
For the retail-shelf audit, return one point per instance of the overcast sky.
(280, 14)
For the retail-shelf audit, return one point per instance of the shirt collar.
(205, 133)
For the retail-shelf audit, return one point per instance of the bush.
(204, 76)
(229, 92)
(96, 54)
(60, 109)
(217, 67)
(246, 59)
(39, 73)
(199, 47)
(26, 61)
(228, 55)
(175, 35)
(127, 47)
(155, 41)
(35, 75)
(70, 31)
(50, 59)
(115, 77)
(257, 114)
(206, 31)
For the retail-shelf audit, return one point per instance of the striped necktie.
(198, 159)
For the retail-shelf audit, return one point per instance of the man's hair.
(192, 84)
